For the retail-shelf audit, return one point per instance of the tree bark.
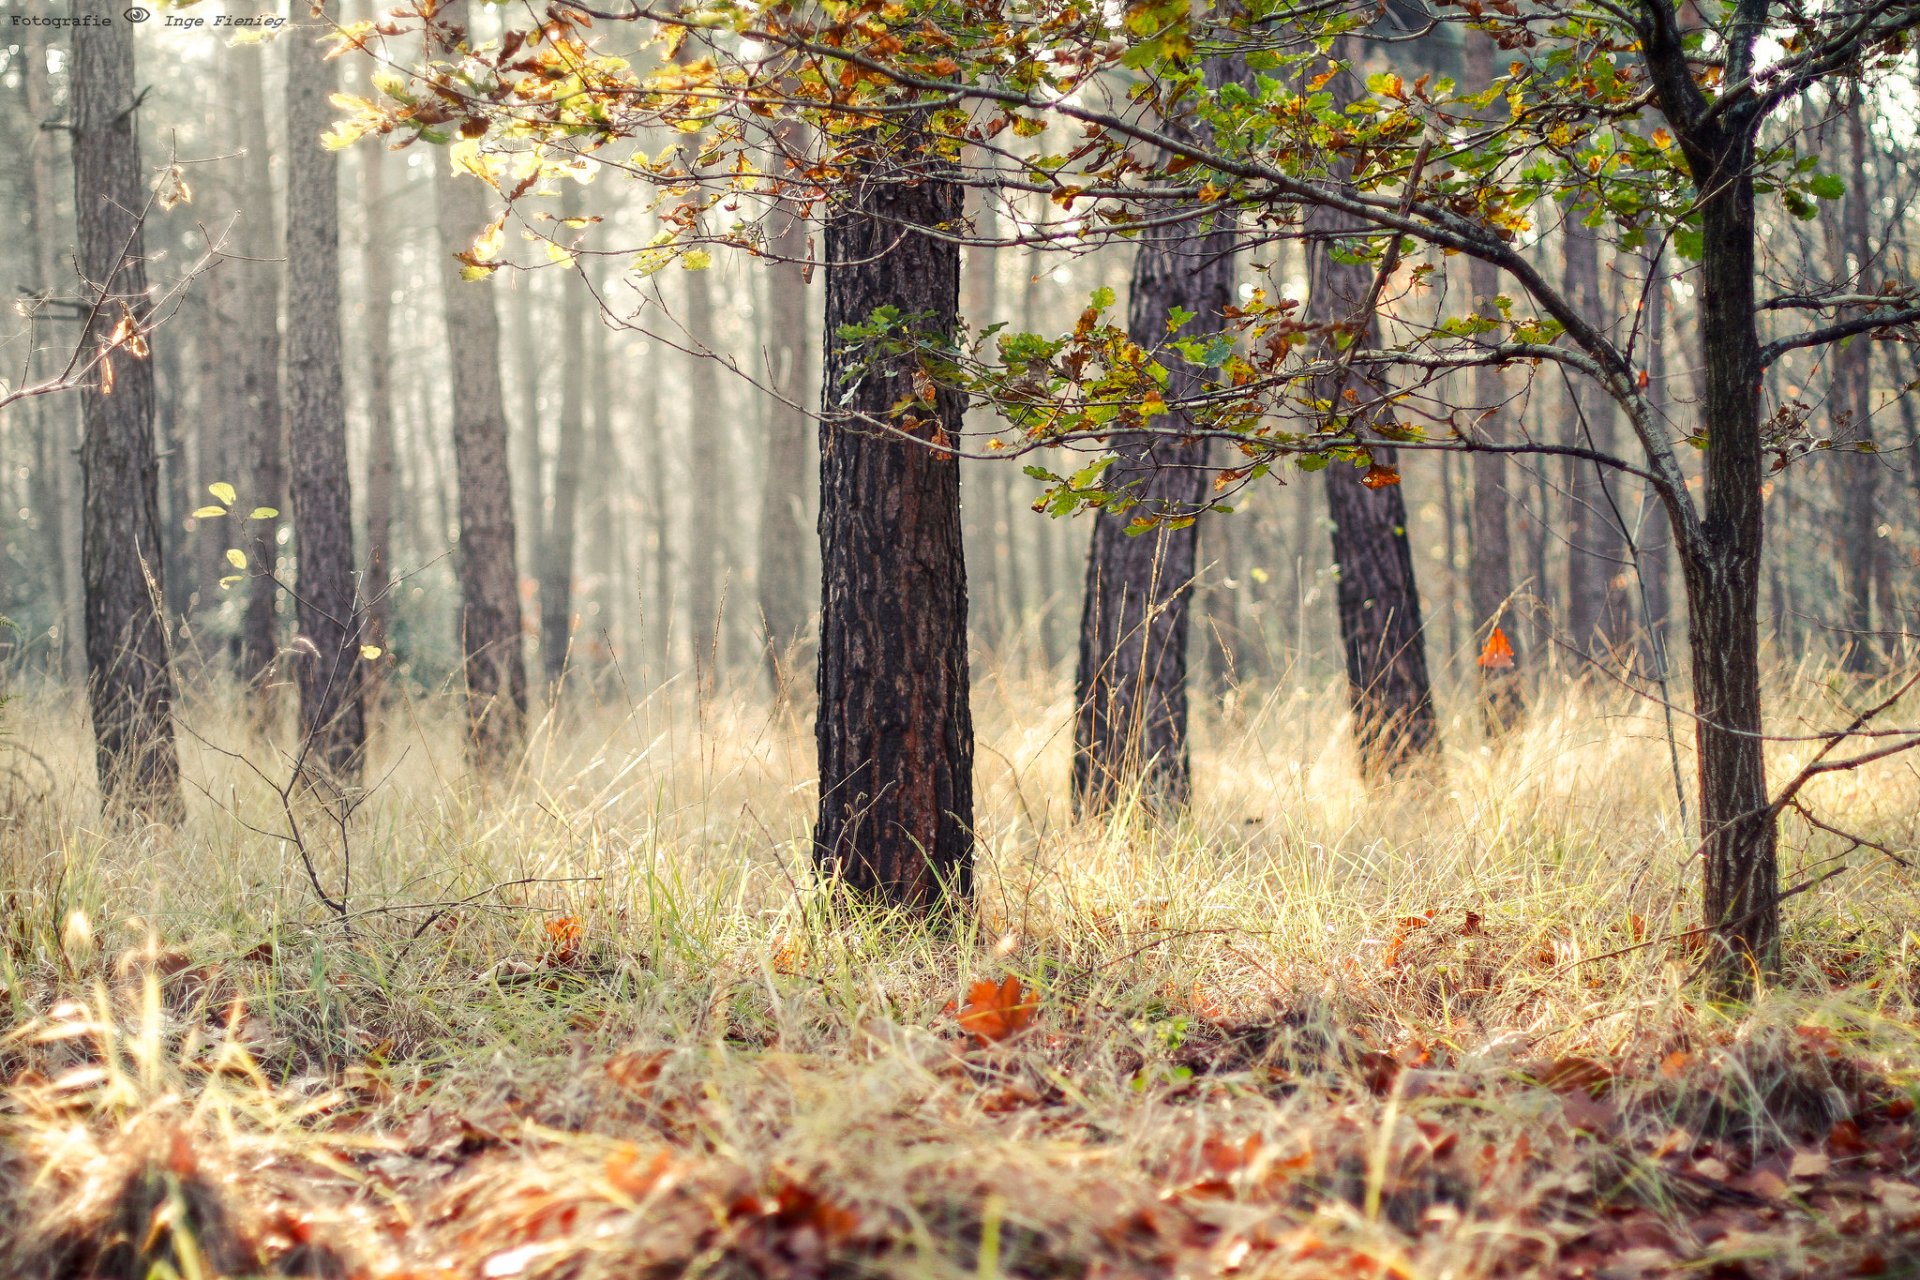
(783, 506)
(1130, 692)
(376, 274)
(557, 548)
(1722, 571)
(1490, 550)
(1381, 632)
(894, 731)
(259, 355)
(1597, 557)
(332, 622)
(1490, 588)
(53, 416)
(489, 620)
(130, 681)
(1856, 475)
(706, 426)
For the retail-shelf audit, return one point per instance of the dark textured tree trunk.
(783, 504)
(376, 259)
(1597, 620)
(1722, 570)
(1380, 623)
(706, 427)
(1130, 693)
(557, 548)
(259, 356)
(129, 681)
(894, 730)
(489, 618)
(1856, 475)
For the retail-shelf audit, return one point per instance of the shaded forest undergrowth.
(598, 1020)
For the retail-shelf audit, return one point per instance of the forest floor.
(597, 1021)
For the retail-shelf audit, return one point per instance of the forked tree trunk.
(894, 730)
(557, 548)
(129, 680)
(259, 354)
(332, 622)
(489, 618)
(783, 507)
(1130, 692)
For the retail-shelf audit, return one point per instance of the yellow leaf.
(696, 260)
(263, 513)
(223, 491)
(370, 651)
(236, 557)
(209, 513)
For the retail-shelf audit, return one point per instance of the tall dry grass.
(589, 1011)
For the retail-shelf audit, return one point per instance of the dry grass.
(668, 1050)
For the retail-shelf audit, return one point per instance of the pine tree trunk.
(376, 273)
(1379, 603)
(1597, 620)
(1856, 475)
(1130, 693)
(1490, 551)
(557, 548)
(332, 622)
(783, 504)
(1722, 569)
(130, 682)
(489, 619)
(53, 416)
(894, 730)
(706, 426)
(259, 355)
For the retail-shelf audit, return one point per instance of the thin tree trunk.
(1489, 546)
(53, 416)
(557, 548)
(1130, 693)
(130, 682)
(332, 623)
(1856, 476)
(1597, 554)
(489, 618)
(783, 501)
(259, 355)
(1656, 530)
(376, 274)
(894, 730)
(705, 421)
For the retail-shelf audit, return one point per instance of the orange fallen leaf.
(995, 1013)
(1379, 476)
(563, 939)
(1497, 654)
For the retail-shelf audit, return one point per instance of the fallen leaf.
(996, 1013)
